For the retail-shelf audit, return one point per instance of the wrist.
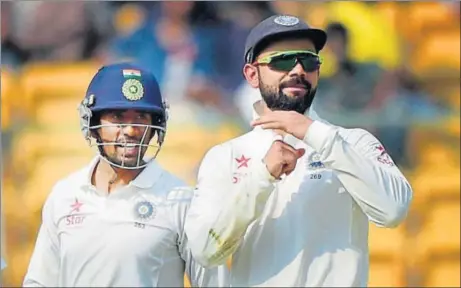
(317, 134)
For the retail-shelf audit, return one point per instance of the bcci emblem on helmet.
(132, 89)
(145, 210)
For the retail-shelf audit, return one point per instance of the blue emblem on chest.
(144, 210)
(314, 162)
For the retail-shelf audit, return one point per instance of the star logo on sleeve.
(242, 161)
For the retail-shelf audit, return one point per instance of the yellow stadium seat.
(429, 185)
(11, 96)
(442, 273)
(382, 43)
(386, 247)
(185, 147)
(127, 18)
(387, 243)
(181, 163)
(431, 151)
(50, 80)
(390, 11)
(58, 112)
(6, 115)
(440, 233)
(18, 257)
(186, 281)
(386, 273)
(30, 145)
(48, 170)
(452, 126)
(437, 53)
(421, 16)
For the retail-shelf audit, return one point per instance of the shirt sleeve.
(365, 170)
(198, 275)
(224, 205)
(43, 270)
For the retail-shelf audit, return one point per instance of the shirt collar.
(146, 179)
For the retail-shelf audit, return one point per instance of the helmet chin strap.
(103, 155)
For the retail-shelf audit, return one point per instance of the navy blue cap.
(278, 26)
(124, 86)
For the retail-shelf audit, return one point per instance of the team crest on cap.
(285, 20)
(144, 210)
(132, 89)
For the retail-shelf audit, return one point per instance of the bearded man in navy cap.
(291, 200)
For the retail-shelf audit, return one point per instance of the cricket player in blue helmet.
(116, 93)
(119, 221)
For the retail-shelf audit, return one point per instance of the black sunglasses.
(287, 60)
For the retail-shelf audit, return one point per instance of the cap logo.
(132, 89)
(285, 20)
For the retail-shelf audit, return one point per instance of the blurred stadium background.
(390, 67)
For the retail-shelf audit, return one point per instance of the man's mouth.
(296, 88)
(128, 149)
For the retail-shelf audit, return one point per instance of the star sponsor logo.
(73, 219)
(242, 161)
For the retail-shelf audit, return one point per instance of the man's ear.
(251, 75)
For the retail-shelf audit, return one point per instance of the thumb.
(300, 152)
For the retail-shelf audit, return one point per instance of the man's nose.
(298, 70)
(129, 129)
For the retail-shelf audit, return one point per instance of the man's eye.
(143, 117)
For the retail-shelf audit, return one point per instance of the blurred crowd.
(195, 49)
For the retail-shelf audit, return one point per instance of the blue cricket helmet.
(123, 86)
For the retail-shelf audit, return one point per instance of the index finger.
(262, 120)
(286, 146)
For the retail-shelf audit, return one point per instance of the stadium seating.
(11, 97)
(438, 244)
(422, 17)
(437, 55)
(42, 81)
(47, 171)
(440, 234)
(442, 273)
(386, 273)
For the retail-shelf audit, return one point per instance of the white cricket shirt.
(309, 229)
(132, 237)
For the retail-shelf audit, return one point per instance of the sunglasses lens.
(286, 63)
(283, 64)
(310, 64)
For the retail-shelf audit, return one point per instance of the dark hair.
(203, 13)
